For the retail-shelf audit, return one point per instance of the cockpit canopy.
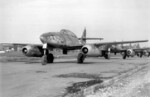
(68, 32)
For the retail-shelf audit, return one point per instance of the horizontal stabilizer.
(90, 38)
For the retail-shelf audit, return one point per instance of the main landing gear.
(124, 55)
(107, 55)
(80, 58)
(148, 54)
(141, 54)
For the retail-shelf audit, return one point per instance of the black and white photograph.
(75, 48)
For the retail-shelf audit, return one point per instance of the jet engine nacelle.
(130, 52)
(32, 51)
(91, 50)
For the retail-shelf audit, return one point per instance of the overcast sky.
(23, 21)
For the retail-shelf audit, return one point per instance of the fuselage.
(116, 49)
(61, 39)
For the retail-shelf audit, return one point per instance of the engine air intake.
(85, 50)
(24, 50)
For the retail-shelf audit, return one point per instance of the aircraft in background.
(130, 51)
(143, 52)
(67, 40)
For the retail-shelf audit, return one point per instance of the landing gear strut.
(124, 55)
(80, 58)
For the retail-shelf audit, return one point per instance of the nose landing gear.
(47, 57)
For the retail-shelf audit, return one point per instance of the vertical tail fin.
(83, 37)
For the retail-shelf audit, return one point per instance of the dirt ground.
(134, 85)
(26, 77)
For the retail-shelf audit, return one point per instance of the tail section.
(84, 38)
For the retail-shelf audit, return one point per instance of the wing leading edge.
(120, 42)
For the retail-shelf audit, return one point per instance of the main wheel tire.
(141, 54)
(124, 56)
(50, 58)
(148, 54)
(138, 54)
(107, 56)
(44, 60)
(80, 58)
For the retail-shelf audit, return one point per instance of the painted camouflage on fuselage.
(62, 39)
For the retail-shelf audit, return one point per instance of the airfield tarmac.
(26, 77)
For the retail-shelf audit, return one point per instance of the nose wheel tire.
(44, 60)
(80, 58)
(49, 58)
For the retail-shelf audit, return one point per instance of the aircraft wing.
(24, 44)
(49, 46)
(100, 44)
(140, 49)
(121, 42)
(105, 43)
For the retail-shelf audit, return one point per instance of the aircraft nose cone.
(42, 38)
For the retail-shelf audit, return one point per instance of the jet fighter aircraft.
(67, 40)
(130, 51)
(143, 52)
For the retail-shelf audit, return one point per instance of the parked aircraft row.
(67, 40)
(132, 51)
